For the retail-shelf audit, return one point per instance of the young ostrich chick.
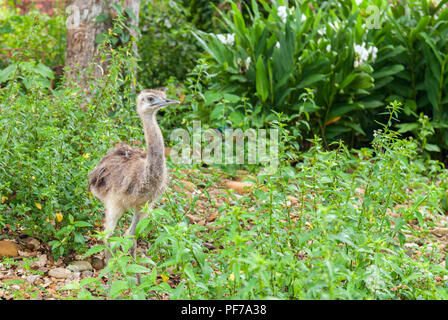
(126, 178)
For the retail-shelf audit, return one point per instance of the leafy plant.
(166, 46)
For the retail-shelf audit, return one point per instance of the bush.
(167, 47)
(49, 142)
(342, 239)
(35, 36)
(275, 54)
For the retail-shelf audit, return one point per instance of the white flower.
(247, 62)
(282, 12)
(334, 25)
(303, 17)
(362, 54)
(328, 47)
(358, 2)
(227, 39)
(277, 45)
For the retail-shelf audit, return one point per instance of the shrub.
(35, 36)
(49, 142)
(340, 241)
(275, 53)
(166, 46)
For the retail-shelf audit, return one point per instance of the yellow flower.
(4, 198)
(164, 277)
(59, 217)
(86, 156)
(38, 205)
(232, 277)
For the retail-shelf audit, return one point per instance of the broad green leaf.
(136, 268)
(311, 79)
(141, 226)
(432, 147)
(8, 73)
(388, 71)
(101, 18)
(261, 80)
(211, 97)
(406, 127)
(94, 250)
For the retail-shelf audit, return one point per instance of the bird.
(128, 178)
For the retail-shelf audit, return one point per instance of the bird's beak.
(167, 102)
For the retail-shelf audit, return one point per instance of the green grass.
(343, 234)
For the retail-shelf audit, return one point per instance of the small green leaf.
(101, 18)
(94, 250)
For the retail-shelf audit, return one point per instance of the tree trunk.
(82, 61)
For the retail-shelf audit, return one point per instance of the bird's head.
(150, 101)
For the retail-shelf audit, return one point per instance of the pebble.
(75, 276)
(97, 263)
(59, 273)
(88, 274)
(31, 243)
(80, 266)
(31, 279)
(41, 262)
(8, 249)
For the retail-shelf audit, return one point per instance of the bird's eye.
(150, 99)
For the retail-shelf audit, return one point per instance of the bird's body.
(128, 178)
(125, 166)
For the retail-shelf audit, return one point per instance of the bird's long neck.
(155, 161)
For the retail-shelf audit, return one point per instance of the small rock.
(75, 276)
(8, 249)
(87, 274)
(41, 262)
(97, 263)
(59, 273)
(31, 279)
(31, 244)
(80, 266)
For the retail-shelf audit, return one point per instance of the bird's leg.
(112, 215)
(138, 215)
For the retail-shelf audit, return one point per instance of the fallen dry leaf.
(183, 186)
(192, 218)
(212, 217)
(240, 187)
